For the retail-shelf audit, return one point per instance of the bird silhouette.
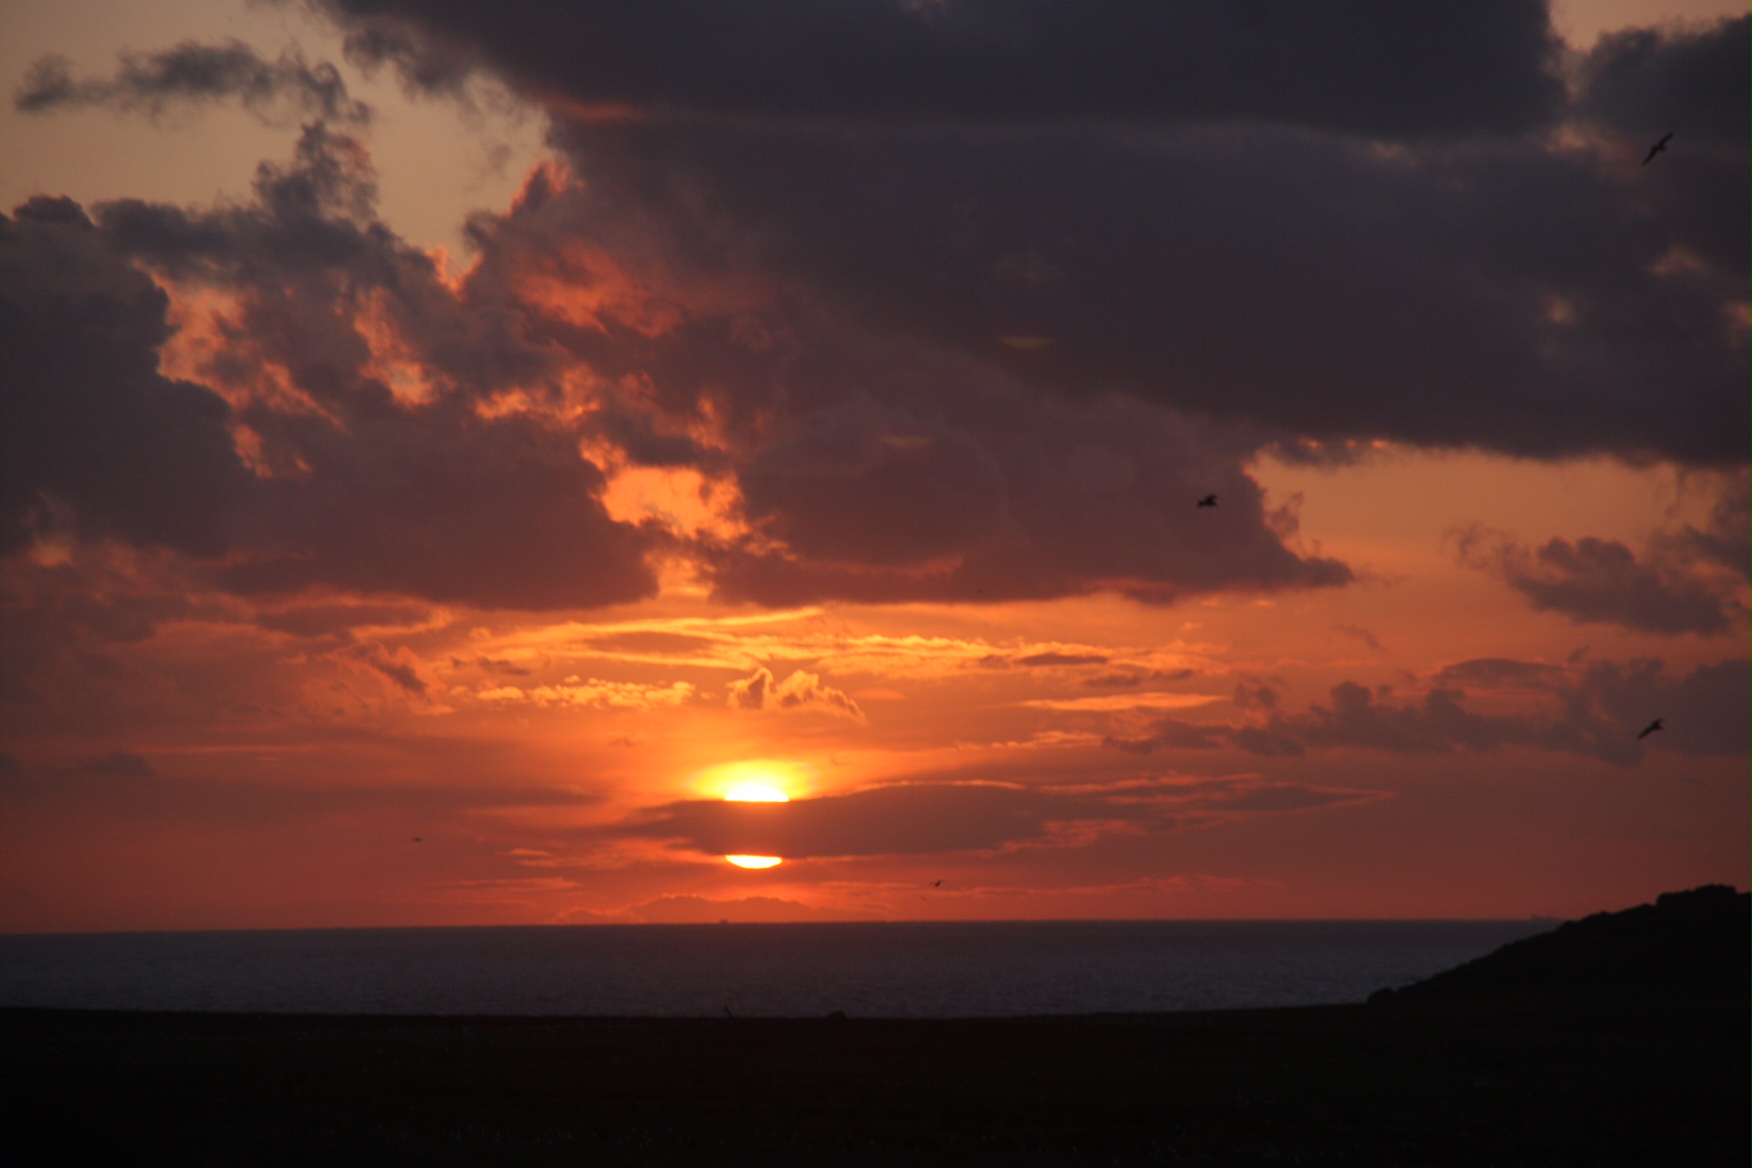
(1650, 729)
(936, 884)
(1208, 501)
(1657, 147)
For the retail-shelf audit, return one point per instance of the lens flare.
(755, 861)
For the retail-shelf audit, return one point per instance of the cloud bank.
(1358, 222)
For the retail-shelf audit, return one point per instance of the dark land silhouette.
(1620, 1039)
(1686, 945)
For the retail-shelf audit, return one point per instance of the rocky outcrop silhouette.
(1686, 945)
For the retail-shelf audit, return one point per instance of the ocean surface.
(902, 970)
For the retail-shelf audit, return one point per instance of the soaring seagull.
(1657, 148)
(1208, 501)
(1650, 729)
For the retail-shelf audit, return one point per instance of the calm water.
(914, 970)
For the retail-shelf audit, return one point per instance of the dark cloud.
(1603, 580)
(1266, 743)
(1643, 82)
(863, 484)
(652, 641)
(1175, 734)
(365, 490)
(1061, 659)
(117, 764)
(1254, 695)
(863, 466)
(1366, 65)
(92, 436)
(1593, 711)
(110, 792)
(1216, 236)
(1706, 712)
(1439, 722)
(401, 669)
(920, 818)
(944, 337)
(195, 73)
(871, 467)
(1686, 581)
(1499, 672)
(1068, 499)
(1493, 295)
(331, 619)
(1360, 633)
(1725, 539)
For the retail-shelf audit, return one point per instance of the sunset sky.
(445, 448)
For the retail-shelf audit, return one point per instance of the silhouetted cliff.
(1686, 944)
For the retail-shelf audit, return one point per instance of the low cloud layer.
(122, 788)
(935, 818)
(1596, 710)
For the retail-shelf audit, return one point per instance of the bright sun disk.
(754, 861)
(756, 793)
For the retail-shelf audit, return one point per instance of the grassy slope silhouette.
(1685, 945)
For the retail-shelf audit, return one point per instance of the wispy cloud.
(192, 73)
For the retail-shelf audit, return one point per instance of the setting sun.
(756, 793)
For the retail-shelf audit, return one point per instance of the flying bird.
(936, 884)
(1650, 729)
(1657, 147)
(1208, 501)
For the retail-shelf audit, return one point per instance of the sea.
(872, 970)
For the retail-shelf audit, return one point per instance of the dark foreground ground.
(1402, 1083)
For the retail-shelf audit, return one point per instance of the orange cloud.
(800, 691)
